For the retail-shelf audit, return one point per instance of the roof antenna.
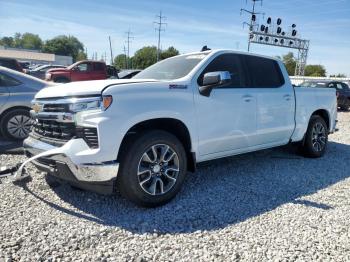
(205, 48)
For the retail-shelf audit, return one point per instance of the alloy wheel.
(319, 137)
(19, 126)
(158, 169)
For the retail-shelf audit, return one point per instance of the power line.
(129, 37)
(159, 28)
(272, 33)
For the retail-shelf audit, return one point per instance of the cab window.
(230, 63)
(264, 72)
(83, 67)
(7, 81)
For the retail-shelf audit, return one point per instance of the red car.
(80, 71)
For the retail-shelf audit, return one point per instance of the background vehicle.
(24, 65)
(127, 74)
(148, 131)
(112, 72)
(343, 91)
(80, 71)
(17, 90)
(40, 71)
(11, 63)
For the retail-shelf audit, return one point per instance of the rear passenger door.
(99, 71)
(275, 101)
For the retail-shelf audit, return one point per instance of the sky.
(190, 25)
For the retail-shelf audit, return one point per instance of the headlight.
(95, 103)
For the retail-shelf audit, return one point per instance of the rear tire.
(316, 138)
(152, 169)
(15, 124)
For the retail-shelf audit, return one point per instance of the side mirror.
(214, 79)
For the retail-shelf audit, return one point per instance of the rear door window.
(7, 81)
(339, 86)
(99, 67)
(264, 72)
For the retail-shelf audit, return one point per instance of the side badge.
(173, 86)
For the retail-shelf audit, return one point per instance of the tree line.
(143, 57)
(71, 46)
(59, 45)
(310, 70)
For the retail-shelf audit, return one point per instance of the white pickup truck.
(142, 135)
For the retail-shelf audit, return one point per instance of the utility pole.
(110, 47)
(159, 29)
(252, 21)
(126, 59)
(272, 33)
(129, 37)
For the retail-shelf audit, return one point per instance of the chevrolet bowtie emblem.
(37, 108)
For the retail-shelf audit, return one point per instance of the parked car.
(40, 72)
(25, 65)
(127, 74)
(80, 71)
(17, 90)
(143, 134)
(343, 91)
(11, 63)
(112, 72)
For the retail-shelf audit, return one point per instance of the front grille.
(57, 133)
(53, 129)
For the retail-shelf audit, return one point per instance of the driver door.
(82, 72)
(226, 120)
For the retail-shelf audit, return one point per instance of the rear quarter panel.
(309, 100)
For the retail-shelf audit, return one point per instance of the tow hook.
(16, 173)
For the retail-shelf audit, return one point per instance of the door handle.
(247, 98)
(287, 97)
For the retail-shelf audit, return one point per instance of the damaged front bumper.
(63, 163)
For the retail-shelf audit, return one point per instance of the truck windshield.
(171, 68)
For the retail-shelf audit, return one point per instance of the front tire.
(316, 138)
(152, 169)
(16, 124)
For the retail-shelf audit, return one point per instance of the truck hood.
(84, 88)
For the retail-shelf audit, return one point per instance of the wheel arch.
(13, 108)
(171, 125)
(324, 114)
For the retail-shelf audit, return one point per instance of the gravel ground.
(268, 205)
